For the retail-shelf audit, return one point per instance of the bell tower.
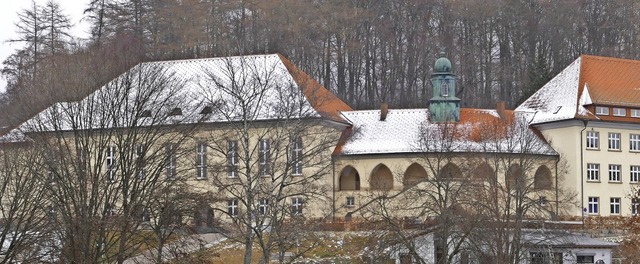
(444, 106)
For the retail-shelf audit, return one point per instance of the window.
(232, 158)
(175, 112)
(593, 205)
(111, 163)
(444, 88)
(109, 209)
(140, 161)
(201, 161)
(296, 206)
(296, 156)
(593, 172)
(263, 161)
(545, 257)
(592, 140)
(635, 112)
(635, 173)
(615, 205)
(619, 112)
(263, 206)
(170, 168)
(601, 110)
(614, 173)
(351, 201)
(614, 141)
(634, 142)
(634, 206)
(232, 207)
(584, 259)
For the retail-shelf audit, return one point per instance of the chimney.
(384, 109)
(500, 110)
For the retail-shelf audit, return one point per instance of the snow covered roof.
(410, 131)
(559, 238)
(585, 83)
(257, 87)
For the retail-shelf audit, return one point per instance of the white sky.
(9, 10)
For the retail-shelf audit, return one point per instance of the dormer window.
(619, 112)
(206, 110)
(601, 110)
(145, 113)
(635, 112)
(175, 112)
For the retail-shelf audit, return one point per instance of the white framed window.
(170, 160)
(351, 201)
(264, 151)
(635, 112)
(594, 205)
(602, 110)
(634, 142)
(593, 138)
(140, 161)
(614, 173)
(614, 141)
(615, 205)
(201, 160)
(634, 206)
(263, 206)
(634, 173)
(296, 156)
(296, 205)
(232, 158)
(619, 111)
(111, 163)
(593, 172)
(232, 207)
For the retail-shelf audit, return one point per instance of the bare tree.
(273, 152)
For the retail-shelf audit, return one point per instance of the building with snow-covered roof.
(590, 114)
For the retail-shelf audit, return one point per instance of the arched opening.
(542, 179)
(414, 175)
(450, 171)
(483, 172)
(381, 178)
(349, 179)
(515, 176)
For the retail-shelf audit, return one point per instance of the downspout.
(557, 202)
(582, 172)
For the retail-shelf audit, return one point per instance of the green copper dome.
(442, 64)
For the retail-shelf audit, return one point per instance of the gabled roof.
(257, 87)
(411, 131)
(588, 81)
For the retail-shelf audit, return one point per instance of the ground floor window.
(584, 259)
(594, 205)
(351, 201)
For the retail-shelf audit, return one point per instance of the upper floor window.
(140, 160)
(444, 88)
(601, 110)
(201, 160)
(614, 141)
(635, 112)
(635, 173)
(614, 173)
(264, 151)
(296, 156)
(593, 138)
(170, 160)
(232, 158)
(593, 172)
(634, 142)
(619, 112)
(111, 163)
(263, 206)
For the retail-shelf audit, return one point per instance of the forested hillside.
(366, 51)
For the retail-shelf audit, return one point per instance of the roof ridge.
(176, 61)
(596, 57)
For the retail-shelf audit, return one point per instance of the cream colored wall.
(565, 138)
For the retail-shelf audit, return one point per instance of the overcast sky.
(9, 10)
